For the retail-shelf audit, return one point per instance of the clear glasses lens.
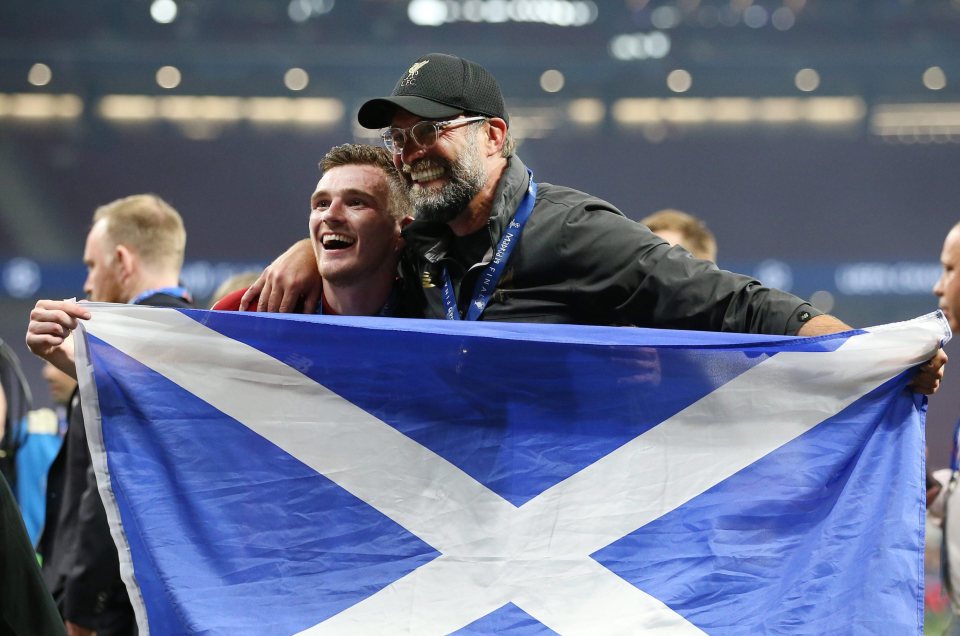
(393, 139)
(424, 134)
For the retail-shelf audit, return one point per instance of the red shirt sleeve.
(231, 302)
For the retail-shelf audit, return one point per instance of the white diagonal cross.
(536, 556)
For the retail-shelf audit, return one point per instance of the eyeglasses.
(424, 133)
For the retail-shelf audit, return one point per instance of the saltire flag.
(270, 474)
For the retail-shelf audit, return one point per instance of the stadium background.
(819, 139)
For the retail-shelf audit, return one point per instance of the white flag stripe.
(716, 437)
(604, 602)
(574, 518)
(592, 592)
(425, 491)
(608, 500)
(439, 597)
(469, 519)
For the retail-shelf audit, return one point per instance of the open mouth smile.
(335, 241)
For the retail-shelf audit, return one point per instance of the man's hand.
(927, 379)
(51, 323)
(288, 280)
(929, 374)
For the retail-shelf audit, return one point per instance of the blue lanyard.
(494, 270)
(176, 292)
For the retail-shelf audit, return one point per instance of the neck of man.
(153, 280)
(360, 299)
(480, 207)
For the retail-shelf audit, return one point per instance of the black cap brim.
(378, 113)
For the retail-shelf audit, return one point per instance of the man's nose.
(334, 213)
(411, 152)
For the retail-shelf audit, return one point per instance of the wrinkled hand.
(51, 323)
(929, 374)
(286, 282)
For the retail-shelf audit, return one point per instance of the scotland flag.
(274, 474)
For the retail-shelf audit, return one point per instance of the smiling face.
(445, 177)
(353, 232)
(947, 288)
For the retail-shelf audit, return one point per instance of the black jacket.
(80, 562)
(579, 260)
(26, 608)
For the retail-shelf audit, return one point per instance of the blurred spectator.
(39, 436)
(945, 504)
(232, 283)
(134, 252)
(15, 401)
(26, 607)
(685, 230)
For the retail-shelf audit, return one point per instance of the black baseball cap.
(438, 86)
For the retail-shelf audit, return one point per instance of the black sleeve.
(94, 580)
(645, 282)
(26, 606)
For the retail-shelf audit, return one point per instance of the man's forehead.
(953, 239)
(352, 178)
(95, 237)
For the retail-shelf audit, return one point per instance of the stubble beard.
(465, 179)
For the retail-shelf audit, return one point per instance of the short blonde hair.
(149, 226)
(697, 238)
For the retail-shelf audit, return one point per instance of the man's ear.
(496, 135)
(125, 259)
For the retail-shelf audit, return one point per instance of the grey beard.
(465, 181)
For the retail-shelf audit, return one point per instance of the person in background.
(26, 607)
(687, 231)
(134, 252)
(943, 495)
(39, 436)
(15, 401)
(241, 280)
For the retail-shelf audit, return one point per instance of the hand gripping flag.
(329, 475)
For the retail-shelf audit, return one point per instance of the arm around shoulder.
(287, 282)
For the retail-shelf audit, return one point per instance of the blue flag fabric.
(273, 474)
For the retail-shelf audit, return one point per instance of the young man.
(134, 252)
(357, 210)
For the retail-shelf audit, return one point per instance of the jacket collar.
(510, 192)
